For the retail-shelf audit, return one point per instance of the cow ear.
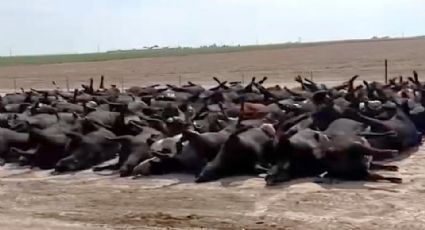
(74, 136)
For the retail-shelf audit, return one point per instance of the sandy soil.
(35, 200)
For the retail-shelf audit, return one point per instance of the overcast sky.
(77, 26)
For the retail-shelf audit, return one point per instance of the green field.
(149, 53)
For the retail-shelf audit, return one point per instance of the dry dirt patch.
(35, 200)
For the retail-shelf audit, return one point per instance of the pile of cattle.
(342, 131)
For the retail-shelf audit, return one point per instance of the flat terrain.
(36, 200)
(329, 62)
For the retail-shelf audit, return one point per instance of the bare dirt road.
(35, 200)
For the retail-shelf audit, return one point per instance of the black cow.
(88, 150)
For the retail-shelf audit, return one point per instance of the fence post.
(14, 84)
(67, 83)
(122, 84)
(180, 80)
(311, 75)
(243, 78)
(386, 71)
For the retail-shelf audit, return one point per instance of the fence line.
(276, 77)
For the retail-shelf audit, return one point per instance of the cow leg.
(377, 154)
(376, 177)
(375, 134)
(325, 178)
(380, 154)
(374, 123)
(115, 166)
(376, 166)
(260, 168)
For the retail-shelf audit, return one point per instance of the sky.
(79, 26)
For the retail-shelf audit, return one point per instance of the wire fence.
(282, 77)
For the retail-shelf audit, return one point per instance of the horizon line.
(216, 45)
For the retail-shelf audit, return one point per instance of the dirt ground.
(329, 63)
(32, 199)
(36, 200)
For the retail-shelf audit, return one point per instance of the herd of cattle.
(311, 130)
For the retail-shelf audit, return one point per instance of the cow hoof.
(269, 181)
(125, 174)
(143, 168)
(207, 175)
(22, 161)
(205, 178)
(392, 168)
(395, 180)
(323, 180)
(55, 173)
(201, 179)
